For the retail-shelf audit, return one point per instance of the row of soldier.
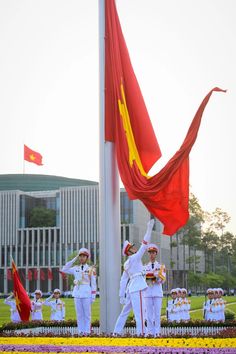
(53, 301)
(140, 291)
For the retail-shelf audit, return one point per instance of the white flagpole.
(109, 204)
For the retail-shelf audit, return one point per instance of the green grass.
(196, 304)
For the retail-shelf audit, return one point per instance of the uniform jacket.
(173, 309)
(84, 279)
(133, 268)
(57, 308)
(36, 309)
(209, 309)
(15, 317)
(155, 277)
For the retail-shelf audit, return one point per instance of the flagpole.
(23, 159)
(109, 207)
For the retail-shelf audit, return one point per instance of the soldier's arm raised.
(146, 240)
(67, 268)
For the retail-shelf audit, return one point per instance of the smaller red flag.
(30, 274)
(35, 274)
(9, 275)
(42, 274)
(50, 275)
(32, 156)
(62, 274)
(23, 303)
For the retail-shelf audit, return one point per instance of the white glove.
(150, 224)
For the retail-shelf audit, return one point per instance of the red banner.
(30, 275)
(50, 275)
(9, 274)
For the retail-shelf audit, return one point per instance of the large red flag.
(23, 303)
(32, 156)
(127, 124)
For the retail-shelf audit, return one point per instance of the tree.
(42, 217)
(219, 219)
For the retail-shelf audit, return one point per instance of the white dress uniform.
(15, 317)
(36, 310)
(173, 309)
(134, 273)
(185, 308)
(155, 277)
(84, 292)
(221, 304)
(57, 308)
(209, 308)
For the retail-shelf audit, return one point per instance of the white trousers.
(37, 316)
(83, 314)
(135, 302)
(138, 305)
(153, 308)
(120, 323)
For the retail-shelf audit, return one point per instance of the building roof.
(32, 182)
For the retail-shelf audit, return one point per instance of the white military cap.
(220, 290)
(173, 291)
(152, 247)
(126, 247)
(210, 290)
(183, 290)
(84, 251)
(38, 292)
(57, 291)
(178, 290)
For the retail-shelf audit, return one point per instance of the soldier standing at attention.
(10, 301)
(84, 291)
(208, 307)
(135, 275)
(155, 277)
(36, 306)
(185, 306)
(57, 306)
(172, 307)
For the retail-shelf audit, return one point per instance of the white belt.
(136, 275)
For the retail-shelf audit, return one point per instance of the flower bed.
(119, 345)
(130, 324)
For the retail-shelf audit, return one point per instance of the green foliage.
(229, 315)
(42, 217)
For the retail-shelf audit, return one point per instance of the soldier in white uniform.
(208, 311)
(10, 301)
(57, 306)
(155, 277)
(185, 306)
(221, 316)
(173, 307)
(84, 291)
(134, 275)
(36, 306)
